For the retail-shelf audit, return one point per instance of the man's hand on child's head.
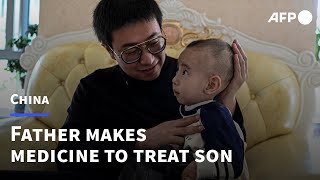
(170, 132)
(228, 95)
(190, 172)
(240, 69)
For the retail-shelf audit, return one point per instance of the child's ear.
(213, 85)
(109, 50)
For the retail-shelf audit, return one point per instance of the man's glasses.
(133, 54)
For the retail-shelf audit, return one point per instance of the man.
(137, 93)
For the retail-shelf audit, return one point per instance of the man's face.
(149, 66)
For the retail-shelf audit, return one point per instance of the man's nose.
(146, 57)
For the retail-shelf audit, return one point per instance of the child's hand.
(190, 172)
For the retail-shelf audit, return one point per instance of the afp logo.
(304, 17)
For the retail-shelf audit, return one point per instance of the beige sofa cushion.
(269, 100)
(7, 145)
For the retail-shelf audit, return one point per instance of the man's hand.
(190, 172)
(228, 96)
(170, 132)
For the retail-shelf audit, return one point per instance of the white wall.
(249, 16)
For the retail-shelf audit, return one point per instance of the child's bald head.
(219, 57)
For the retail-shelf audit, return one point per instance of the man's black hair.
(111, 15)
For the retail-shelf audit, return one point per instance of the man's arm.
(228, 96)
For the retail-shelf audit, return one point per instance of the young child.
(205, 68)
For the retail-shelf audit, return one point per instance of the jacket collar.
(187, 110)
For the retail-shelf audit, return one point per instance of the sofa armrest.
(7, 145)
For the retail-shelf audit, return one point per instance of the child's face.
(191, 78)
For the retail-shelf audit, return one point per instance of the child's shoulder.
(215, 107)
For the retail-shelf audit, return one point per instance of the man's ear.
(213, 85)
(109, 50)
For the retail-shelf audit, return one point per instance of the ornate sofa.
(279, 101)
